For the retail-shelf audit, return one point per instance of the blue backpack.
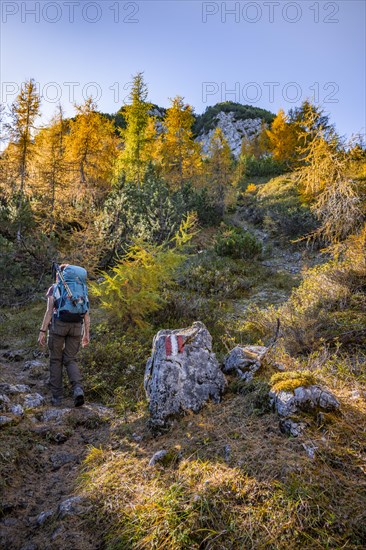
(71, 294)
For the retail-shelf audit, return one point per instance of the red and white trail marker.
(173, 345)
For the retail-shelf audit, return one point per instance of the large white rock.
(182, 373)
(233, 129)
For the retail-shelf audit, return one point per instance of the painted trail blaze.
(173, 345)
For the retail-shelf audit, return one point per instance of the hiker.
(66, 330)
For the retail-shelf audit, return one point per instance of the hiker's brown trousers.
(64, 342)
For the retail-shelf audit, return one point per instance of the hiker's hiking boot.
(56, 400)
(78, 397)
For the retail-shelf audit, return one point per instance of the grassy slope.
(234, 481)
(231, 480)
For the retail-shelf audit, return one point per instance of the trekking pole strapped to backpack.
(67, 288)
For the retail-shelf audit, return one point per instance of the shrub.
(279, 207)
(201, 201)
(328, 306)
(237, 243)
(264, 166)
(210, 275)
(114, 362)
(150, 213)
(135, 288)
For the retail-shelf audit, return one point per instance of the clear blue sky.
(270, 54)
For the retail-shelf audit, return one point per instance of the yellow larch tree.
(138, 136)
(91, 151)
(283, 139)
(49, 175)
(179, 154)
(219, 169)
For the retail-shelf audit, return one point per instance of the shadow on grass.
(231, 480)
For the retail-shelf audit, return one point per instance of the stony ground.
(41, 450)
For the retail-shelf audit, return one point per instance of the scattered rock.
(157, 457)
(60, 459)
(43, 517)
(94, 410)
(15, 355)
(290, 427)
(227, 453)
(17, 410)
(4, 401)
(57, 532)
(355, 394)
(280, 367)
(137, 437)
(73, 506)
(310, 450)
(307, 399)
(182, 373)
(244, 361)
(310, 399)
(284, 402)
(13, 389)
(30, 546)
(38, 353)
(314, 397)
(37, 372)
(9, 522)
(35, 363)
(4, 420)
(60, 437)
(54, 415)
(33, 400)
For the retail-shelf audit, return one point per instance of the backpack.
(71, 294)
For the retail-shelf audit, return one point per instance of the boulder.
(283, 402)
(304, 398)
(244, 361)
(182, 373)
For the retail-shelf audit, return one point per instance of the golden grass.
(265, 492)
